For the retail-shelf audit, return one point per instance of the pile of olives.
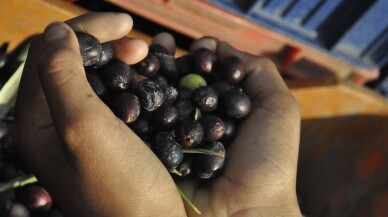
(186, 108)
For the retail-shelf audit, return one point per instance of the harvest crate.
(296, 58)
(356, 31)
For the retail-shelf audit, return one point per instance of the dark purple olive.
(167, 149)
(149, 66)
(150, 95)
(208, 166)
(3, 130)
(141, 127)
(168, 67)
(165, 118)
(146, 114)
(97, 84)
(106, 55)
(185, 109)
(160, 80)
(235, 103)
(184, 64)
(19, 210)
(231, 68)
(90, 48)
(184, 93)
(189, 133)
(203, 61)
(126, 106)
(186, 167)
(116, 74)
(5, 203)
(221, 87)
(230, 132)
(158, 49)
(170, 94)
(214, 127)
(37, 199)
(205, 98)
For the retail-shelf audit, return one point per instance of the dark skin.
(94, 165)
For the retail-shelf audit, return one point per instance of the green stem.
(18, 182)
(174, 171)
(202, 151)
(185, 198)
(197, 114)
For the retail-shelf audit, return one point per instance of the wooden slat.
(22, 18)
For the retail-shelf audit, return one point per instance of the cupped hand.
(260, 173)
(90, 161)
(94, 165)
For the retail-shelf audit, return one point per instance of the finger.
(130, 50)
(275, 116)
(166, 40)
(208, 42)
(103, 26)
(62, 76)
(262, 79)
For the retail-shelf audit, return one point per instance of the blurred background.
(333, 55)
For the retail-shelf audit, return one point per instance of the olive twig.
(185, 198)
(202, 151)
(18, 182)
(174, 171)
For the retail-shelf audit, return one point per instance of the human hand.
(95, 166)
(261, 165)
(91, 162)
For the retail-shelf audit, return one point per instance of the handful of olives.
(186, 108)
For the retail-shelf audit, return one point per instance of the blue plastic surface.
(353, 30)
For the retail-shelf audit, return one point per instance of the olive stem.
(18, 182)
(197, 114)
(187, 200)
(174, 171)
(202, 151)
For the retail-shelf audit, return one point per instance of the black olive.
(208, 166)
(167, 149)
(90, 48)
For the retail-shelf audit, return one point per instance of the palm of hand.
(258, 179)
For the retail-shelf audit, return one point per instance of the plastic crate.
(353, 30)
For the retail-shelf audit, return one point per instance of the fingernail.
(54, 32)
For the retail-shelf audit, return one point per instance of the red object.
(196, 18)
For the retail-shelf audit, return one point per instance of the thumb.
(62, 76)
